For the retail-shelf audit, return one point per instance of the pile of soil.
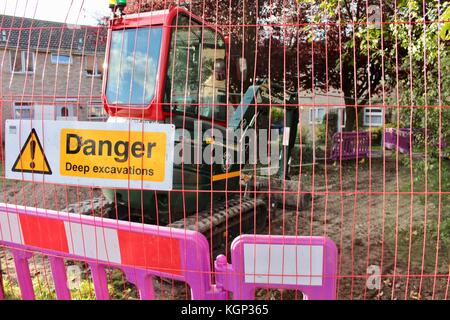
(46, 196)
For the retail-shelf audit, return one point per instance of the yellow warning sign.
(32, 158)
(113, 154)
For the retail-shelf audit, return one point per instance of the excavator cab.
(169, 66)
(164, 63)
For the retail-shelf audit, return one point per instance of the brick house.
(315, 109)
(50, 70)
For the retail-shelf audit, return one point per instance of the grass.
(80, 288)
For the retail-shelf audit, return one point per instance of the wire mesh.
(338, 110)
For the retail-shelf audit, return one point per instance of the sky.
(69, 11)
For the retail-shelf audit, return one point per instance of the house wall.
(50, 86)
(328, 102)
(333, 102)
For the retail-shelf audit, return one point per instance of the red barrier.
(308, 264)
(141, 251)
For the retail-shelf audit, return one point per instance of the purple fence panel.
(390, 138)
(401, 138)
(404, 140)
(308, 264)
(140, 251)
(350, 145)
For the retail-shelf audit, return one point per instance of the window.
(65, 108)
(93, 66)
(316, 115)
(23, 110)
(96, 112)
(195, 81)
(342, 118)
(22, 61)
(64, 112)
(373, 117)
(61, 59)
(213, 78)
(133, 66)
(4, 36)
(182, 80)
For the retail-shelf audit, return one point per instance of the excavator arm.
(254, 111)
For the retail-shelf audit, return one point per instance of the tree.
(426, 87)
(349, 45)
(349, 52)
(235, 18)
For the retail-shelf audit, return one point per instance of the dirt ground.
(46, 196)
(366, 208)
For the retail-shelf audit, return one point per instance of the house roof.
(24, 33)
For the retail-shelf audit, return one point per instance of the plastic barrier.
(307, 264)
(350, 145)
(142, 251)
(394, 137)
(2, 294)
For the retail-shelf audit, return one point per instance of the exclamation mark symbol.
(33, 151)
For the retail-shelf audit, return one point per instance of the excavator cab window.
(133, 66)
(195, 82)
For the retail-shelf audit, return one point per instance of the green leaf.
(445, 31)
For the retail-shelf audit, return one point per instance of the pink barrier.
(140, 251)
(350, 145)
(307, 264)
(394, 138)
(2, 293)
(144, 251)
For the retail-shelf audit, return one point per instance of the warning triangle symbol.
(32, 158)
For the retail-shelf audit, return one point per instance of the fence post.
(100, 281)
(143, 282)
(2, 291)
(23, 274)
(59, 278)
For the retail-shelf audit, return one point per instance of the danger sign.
(32, 158)
(113, 154)
(129, 155)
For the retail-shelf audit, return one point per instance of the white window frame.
(12, 60)
(98, 105)
(369, 113)
(55, 59)
(70, 104)
(96, 68)
(23, 106)
(343, 113)
(314, 115)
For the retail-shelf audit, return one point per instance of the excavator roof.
(157, 15)
(145, 18)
